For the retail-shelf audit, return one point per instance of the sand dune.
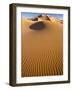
(42, 50)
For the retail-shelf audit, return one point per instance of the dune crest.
(41, 22)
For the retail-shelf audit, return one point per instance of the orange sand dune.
(42, 50)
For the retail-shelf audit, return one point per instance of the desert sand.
(42, 48)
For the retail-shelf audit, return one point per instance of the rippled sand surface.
(42, 50)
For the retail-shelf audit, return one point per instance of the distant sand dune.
(42, 50)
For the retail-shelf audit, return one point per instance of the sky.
(32, 15)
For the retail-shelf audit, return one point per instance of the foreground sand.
(42, 51)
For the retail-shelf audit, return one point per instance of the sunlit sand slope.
(42, 50)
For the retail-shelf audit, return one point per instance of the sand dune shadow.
(37, 26)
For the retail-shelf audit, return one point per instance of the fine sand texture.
(42, 47)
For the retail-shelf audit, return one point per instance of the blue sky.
(32, 15)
